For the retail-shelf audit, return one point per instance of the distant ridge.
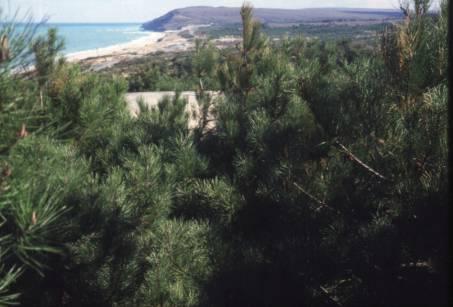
(202, 15)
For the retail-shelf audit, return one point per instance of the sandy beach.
(98, 59)
(168, 41)
(135, 46)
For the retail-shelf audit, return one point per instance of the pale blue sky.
(143, 10)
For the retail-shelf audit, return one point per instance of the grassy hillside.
(220, 16)
(323, 31)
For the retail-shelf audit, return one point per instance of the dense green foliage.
(162, 76)
(170, 72)
(323, 31)
(323, 181)
(178, 73)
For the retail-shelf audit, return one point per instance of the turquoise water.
(82, 37)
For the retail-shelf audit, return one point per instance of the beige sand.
(170, 41)
(151, 99)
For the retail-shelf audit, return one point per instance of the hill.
(220, 16)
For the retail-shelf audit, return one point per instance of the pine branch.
(332, 299)
(318, 201)
(315, 199)
(358, 161)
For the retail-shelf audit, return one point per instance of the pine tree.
(321, 182)
(344, 189)
(46, 51)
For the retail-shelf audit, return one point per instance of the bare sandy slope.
(151, 99)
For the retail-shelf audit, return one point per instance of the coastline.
(102, 58)
(170, 41)
(135, 44)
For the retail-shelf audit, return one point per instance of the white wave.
(151, 37)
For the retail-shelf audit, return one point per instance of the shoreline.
(135, 45)
(103, 58)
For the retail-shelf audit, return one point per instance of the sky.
(144, 10)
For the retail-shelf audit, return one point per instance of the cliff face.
(204, 15)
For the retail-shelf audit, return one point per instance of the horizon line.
(49, 18)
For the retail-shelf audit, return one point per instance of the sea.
(89, 36)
